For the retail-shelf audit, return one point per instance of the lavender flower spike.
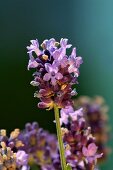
(56, 72)
(41, 146)
(81, 150)
(95, 112)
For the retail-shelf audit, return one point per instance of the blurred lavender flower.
(12, 161)
(55, 72)
(95, 112)
(21, 158)
(81, 150)
(12, 141)
(41, 147)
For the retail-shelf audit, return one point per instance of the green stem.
(59, 135)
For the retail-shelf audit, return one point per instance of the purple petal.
(56, 54)
(30, 48)
(37, 51)
(63, 43)
(78, 61)
(42, 105)
(73, 52)
(33, 46)
(67, 110)
(53, 81)
(35, 43)
(25, 167)
(47, 104)
(90, 159)
(64, 62)
(56, 63)
(85, 151)
(92, 149)
(59, 54)
(72, 69)
(32, 64)
(94, 158)
(21, 158)
(47, 77)
(48, 67)
(98, 156)
(69, 46)
(79, 112)
(49, 45)
(51, 68)
(58, 76)
(55, 68)
(64, 118)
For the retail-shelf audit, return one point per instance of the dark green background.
(88, 24)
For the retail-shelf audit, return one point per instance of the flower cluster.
(95, 111)
(55, 72)
(10, 157)
(11, 141)
(41, 147)
(81, 150)
(33, 145)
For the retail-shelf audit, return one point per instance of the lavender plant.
(54, 77)
(55, 72)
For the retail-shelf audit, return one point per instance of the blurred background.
(87, 24)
